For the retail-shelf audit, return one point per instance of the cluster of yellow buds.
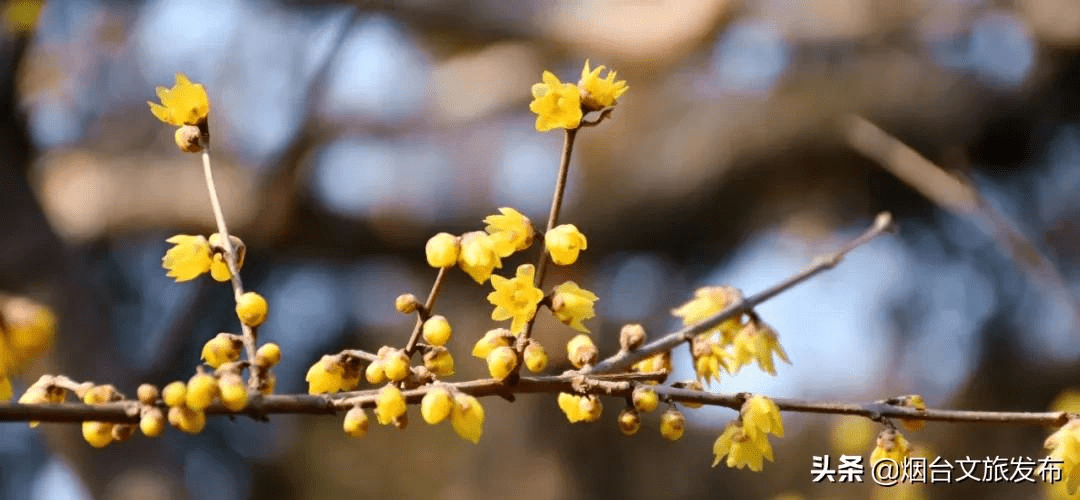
(734, 343)
(744, 441)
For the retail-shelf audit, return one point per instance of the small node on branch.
(631, 337)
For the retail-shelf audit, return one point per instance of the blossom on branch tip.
(183, 104)
(188, 258)
(564, 242)
(599, 93)
(512, 231)
(515, 298)
(556, 104)
(467, 418)
(478, 256)
(572, 304)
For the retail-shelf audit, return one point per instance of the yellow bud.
(251, 309)
(913, 401)
(442, 250)
(629, 421)
(406, 303)
(374, 372)
(467, 418)
(501, 362)
(645, 399)
(98, 434)
(175, 394)
(591, 408)
(187, 139)
(389, 404)
(147, 394)
(395, 364)
(672, 424)
(439, 361)
(491, 340)
(100, 394)
(631, 337)
(581, 351)
(201, 390)
(570, 406)
(356, 422)
(233, 392)
(187, 420)
(436, 330)
(564, 242)
(152, 422)
(536, 358)
(223, 348)
(268, 355)
(326, 376)
(436, 405)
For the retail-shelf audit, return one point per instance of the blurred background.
(347, 133)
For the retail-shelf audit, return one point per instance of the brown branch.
(621, 386)
(623, 359)
(422, 314)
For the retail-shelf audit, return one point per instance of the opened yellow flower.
(564, 242)
(572, 304)
(740, 449)
(599, 93)
(556, 104)
(515, 298)
(511, 231)
(188, 258)
(761, 415)
(1064, 445)
(184, 104)
(757, 341)
(708, 301)
(478, 256)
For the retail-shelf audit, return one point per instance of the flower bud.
(631, 337)
(439, 361)
(223, 348)
(121, 432)
(591, 408)
(389, 404)
(501, 362)
(467, 418)
(491, 340)
(175, 394)
(152, 422)
(187, 420)
(268, 355)
(629, 421)
(147, 394)
(201, 390)
(395, 364)
(436, 405)
(645, 399)
(187, 138)
(536, 358)
(234, 394)
(251, 308)
(672, 424)
(436, 330)
(97, 434)
(581, 351)
(356, 422)
(374, 372)
(442, 250)
(406, 303)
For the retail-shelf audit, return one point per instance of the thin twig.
(230, 261)
(424, 313)
(623, 359)
(553, 219)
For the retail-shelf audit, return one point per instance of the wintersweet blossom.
(556, 104)
(573, 304)
(512, 231)
(564, 242)
(599, 93)
(515, 298)
(185, 103)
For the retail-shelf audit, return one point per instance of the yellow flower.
(175, 394)
(355, 423)
(187, 420)
(436, 405)
(570, 406)
(478, 257)
(515, 298)
(708, 301)
(581, 351)
(325, 376)
(914, 401)
(188, 258)
(645, 399)
(564, 242)
(572, 304)
(251, 308)
(656, 363)
(268, 355)
(152, 422)
(467, 418)
(741, 450)
(891, 445)
(30, 328)
(672, 424)
(97, 434)
(201, 391)
(223, 348)
(219, 270)
(761, 416)
(436, 330)
(492, 339)
(512, 231)
(389, 404)
(233, 391)
(439, 361)
(599, 93)
(1064, 445)
(395, 364)
(536, 358)
(501, 362)
(758, 341)
(184, 104)
(442, 250)
(556, 104)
